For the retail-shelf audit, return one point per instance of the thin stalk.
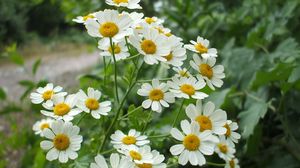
(80, 119)
(216, 164)
(147, 122)
(112, 46)
(104, 63)
(178, 113)
(130, 112)
(159, 136)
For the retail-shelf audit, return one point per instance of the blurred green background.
(258, 42)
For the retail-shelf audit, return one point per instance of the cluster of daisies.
(207, 131)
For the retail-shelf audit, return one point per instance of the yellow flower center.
(144, 165)
(160, 30)
(135, 155)
(187, 89)
(61, 109)
(120, 1)
(61, 142)
(148, 46)
(47, 95)
(204, 123)
(129, 140)
(168, 34)
(228, 130)
(156, 95)
(44, 125)
(183, 73)
(108, 29)
(223, 148)
(191, 142)
(116, 48)
(231, 163)
(92, 104)
(200, 48)
(89, 16)
(169, 57)
(149, 20)
(206, 70)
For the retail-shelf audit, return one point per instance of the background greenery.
(258, 42)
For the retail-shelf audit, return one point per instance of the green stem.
(104, 63)
(178, 113)
(147, 122)
(112, 46)
(108, 151)
(130, 112)
(216, 164)
(159, 136)
(80, 119)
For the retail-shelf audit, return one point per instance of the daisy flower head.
(194, 144)
(202, 47)
(136, 17)
(63, 108)
(109, 24)
(181, 72)
(89, 103)
(83, 19)
(39, 126)
(157, 161)
(119, 139)
(138, 155)
(231, 136)
(224, 149)
(151, 44)
(157, 94)
(233, 163)
(115, 162)
(46, 94)
(130, 4)
(63, 141)
(208, 118)
(211, 73)
(187, 88)
(119, 49)
(153, 21)
(177, 54)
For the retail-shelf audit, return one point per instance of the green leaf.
(138, 118)
(295, 75)
(36, 65)
(250, 117)
(218, 97)
(2, 94)
(40, 159)
(27, 83)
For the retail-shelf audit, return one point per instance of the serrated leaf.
(218, 97)
(36, 65)
(295, 75)
(138, 118)
(250, 117)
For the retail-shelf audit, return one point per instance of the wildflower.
(64, 108)
(63, 141)
(130, 4)
(208, 118)
(194, 144)
(224, 149)
(120, 49)
(115, 162)
(157, 95)
(181, 72)
(89, 103)
(184, 87)
(139, 155)
(177, 54)
(233, 163)
(119, 139)
(211, 73)
(202, 47)
(39, 126)
(231, 136)
(83, 19)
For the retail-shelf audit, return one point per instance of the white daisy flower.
(152, 45)
(208, 118)
(224, 149)
(231, 136)
(83, 19)
(202, 47)
(233, 163)
(89, 103)
(115, 162)
(120, 49)
(63, 143)
(153, 21)
(64, 108)
(181, 72)
(130, 4)
(39, 126)
(136, 17)
(119, 139)
(211, 73)
(139, 155)
(46, 94)
(184, 87)
(194, 145)
(109, 24)
(157, 95)
(157, 161)
(177, 54)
